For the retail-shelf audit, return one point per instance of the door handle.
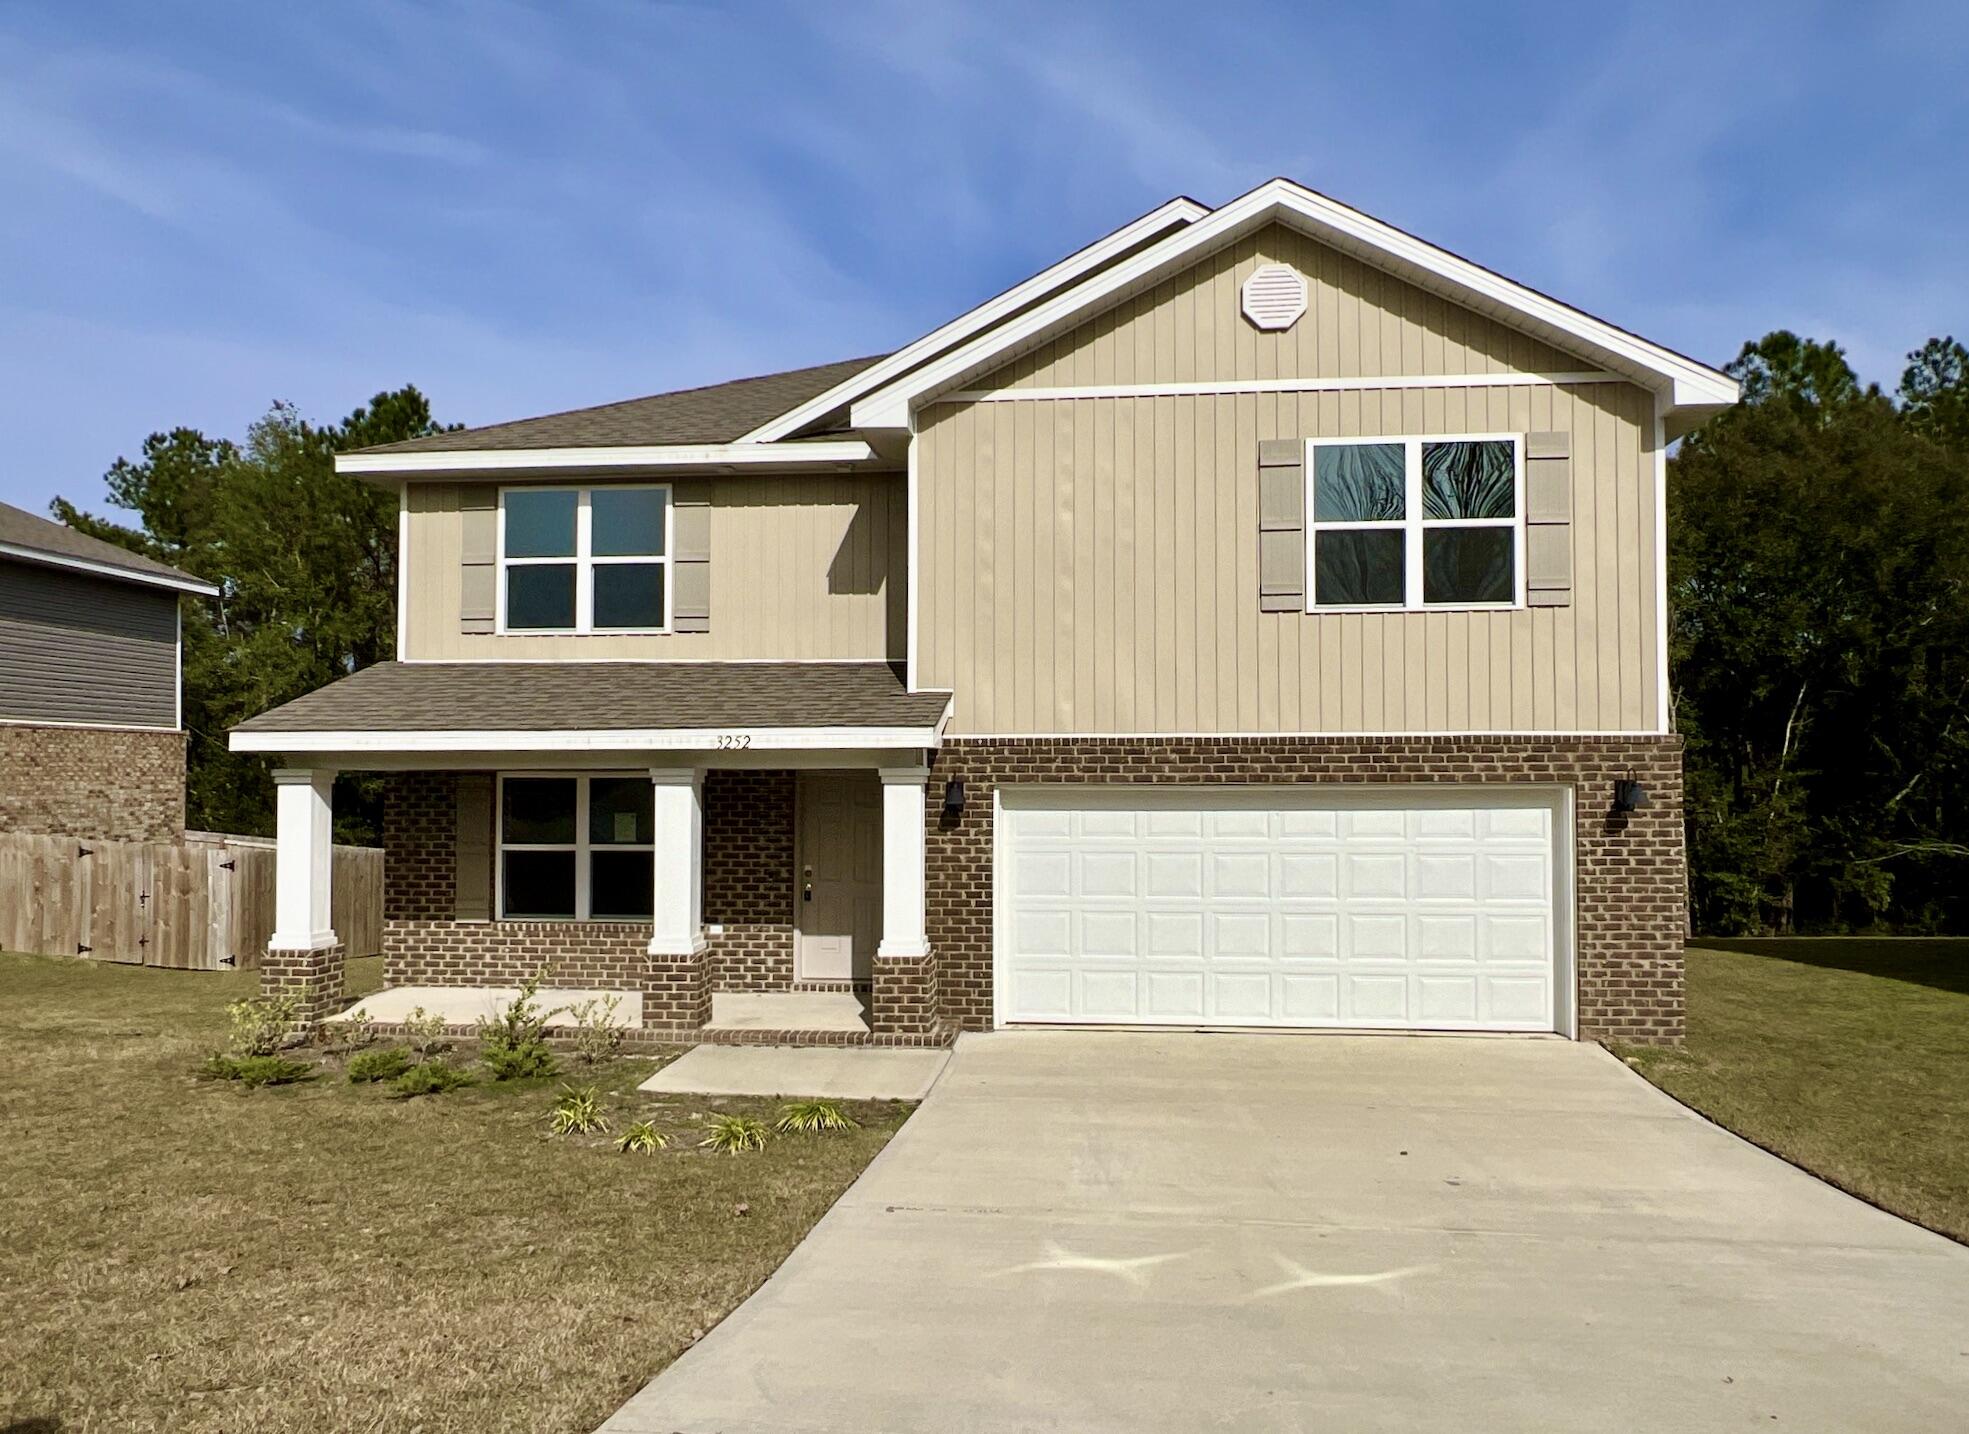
(808, 893)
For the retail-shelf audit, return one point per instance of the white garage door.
(1281, 907)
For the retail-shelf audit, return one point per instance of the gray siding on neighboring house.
(75, 648)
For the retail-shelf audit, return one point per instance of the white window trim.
(1414, 524)
(585, 561)
(581, 846)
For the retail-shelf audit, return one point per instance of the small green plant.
(640, 1138)
(424, 1030)
(256, 1071)
(513, 1045)
(356, 1029)
(578, 1112)
(386, 1064)
(597, 1032)
(811, 1117)
(260, 1024)
(734, 1134)
(433, 1077)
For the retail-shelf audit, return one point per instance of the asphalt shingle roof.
(22, 529)
(605, 696)
(719, 413)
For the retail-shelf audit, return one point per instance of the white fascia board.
(108, 570)
(1173, 215)
(1682, 381)
(698, 455)
(678, 739)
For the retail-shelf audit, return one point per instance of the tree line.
(1818, 648)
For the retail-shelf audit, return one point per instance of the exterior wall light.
(1629, 795)
(953, 799)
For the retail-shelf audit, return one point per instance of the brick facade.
(749, 878)
(313, 978)
(114, 784)
(1630, 892)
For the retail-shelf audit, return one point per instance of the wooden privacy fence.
(203, 904)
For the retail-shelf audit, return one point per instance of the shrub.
(355, 1029)
(641, 1138)
(432, 1077)
(513, 1045)
(424, 1030)
(810, 1117)
(578, 1112)
(256, 1071)
(597, 1032)
(734, 1134)
(386, 1064)
(260, 1023)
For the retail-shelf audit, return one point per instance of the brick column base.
(313, 978)
(677, 994)
(904, 998)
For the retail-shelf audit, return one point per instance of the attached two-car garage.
(1387, 909)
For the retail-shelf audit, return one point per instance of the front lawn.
(185, 1254)
(1845, 1055)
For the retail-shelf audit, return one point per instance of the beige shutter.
(690, 564)
(1548, 519)
(478, 572)
(1281, 525)
(472, 849)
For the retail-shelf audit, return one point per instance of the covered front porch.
(756, 883)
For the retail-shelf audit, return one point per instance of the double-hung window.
(1415, 523)
(576, 848)
(583, 560)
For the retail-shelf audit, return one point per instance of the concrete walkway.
(829, 1072)
(1096, 1232)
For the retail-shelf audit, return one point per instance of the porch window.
(1415, 523)
(584, 560)
(576, 848)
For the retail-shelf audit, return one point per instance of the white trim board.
(1205, 387)
(1693, 390)
(668, 739)
(698, 455)
(1331, 736)
(42, 556)
(1160, 220)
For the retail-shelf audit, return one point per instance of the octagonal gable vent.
(1275, 296)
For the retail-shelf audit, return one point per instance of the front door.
(837, 901)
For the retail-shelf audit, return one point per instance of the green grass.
(185, 1254)
(1848, 1056)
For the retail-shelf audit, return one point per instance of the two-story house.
(1256, 619)
(92, 740)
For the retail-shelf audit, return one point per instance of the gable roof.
(1108, 249)
(39, 540)
(716, 413)
(1690, 391)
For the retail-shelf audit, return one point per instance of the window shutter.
(690, 565)
(472, 849)
(1281, 525)
(1548, 519)
(478, 572)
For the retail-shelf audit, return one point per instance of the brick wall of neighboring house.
(748, 889)
(115, 784)
(1628, 868)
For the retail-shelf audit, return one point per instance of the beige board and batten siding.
(82, 649)
(802, 568)
(1091, 564)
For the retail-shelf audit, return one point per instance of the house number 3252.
(734, 741)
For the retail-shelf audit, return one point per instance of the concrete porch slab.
(787, 1011)
(831, 1072)
(464, 1005)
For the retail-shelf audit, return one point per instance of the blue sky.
(522, 208)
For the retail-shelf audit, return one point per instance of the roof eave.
(179, 582)
(660, 458)
(678, 739)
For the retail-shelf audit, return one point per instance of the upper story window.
(1415, 523)
(581, 560)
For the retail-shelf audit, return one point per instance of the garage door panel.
(1193, 908)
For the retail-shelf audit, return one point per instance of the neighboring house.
(91, 707)
(1255, 619)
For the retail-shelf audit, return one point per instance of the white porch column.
(304, 829)
(902, 862)
(677, 928)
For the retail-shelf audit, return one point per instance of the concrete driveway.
(1084, 1231)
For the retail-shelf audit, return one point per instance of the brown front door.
(837, 901)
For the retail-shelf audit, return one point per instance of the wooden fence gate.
(203, 904)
